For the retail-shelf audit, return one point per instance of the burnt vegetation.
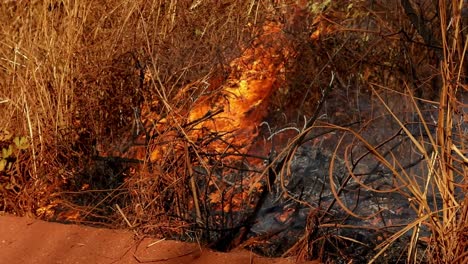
(330, 130)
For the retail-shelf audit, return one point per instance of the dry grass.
(445, 161)
(81, 80)
(71, 72)
(443, 154)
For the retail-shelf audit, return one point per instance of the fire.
(242, 103)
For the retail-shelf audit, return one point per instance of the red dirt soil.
(25, 240)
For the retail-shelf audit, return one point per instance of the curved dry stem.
(336, 193)
(358, 181)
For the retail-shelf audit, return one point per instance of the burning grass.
(209, 122)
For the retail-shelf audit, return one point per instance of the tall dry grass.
(72, 74)
(444, 155)
(439, 197)
(38, 70)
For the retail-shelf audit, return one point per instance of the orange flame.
(242, 102)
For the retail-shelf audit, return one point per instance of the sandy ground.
(25, 240)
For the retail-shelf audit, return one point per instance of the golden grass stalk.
(445, 164)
